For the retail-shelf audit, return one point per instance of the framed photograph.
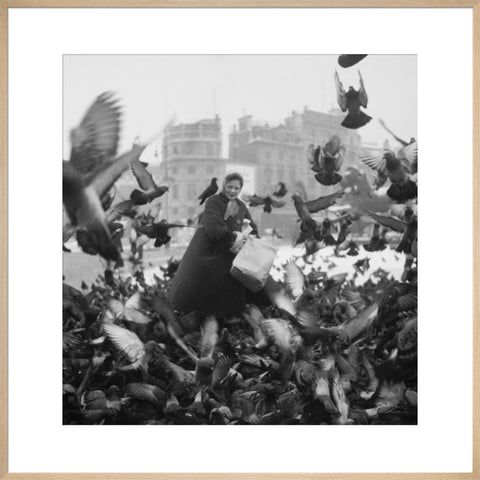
(242, 220)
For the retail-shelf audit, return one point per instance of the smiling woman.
(203, 282)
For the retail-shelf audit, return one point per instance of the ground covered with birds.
(327, 351)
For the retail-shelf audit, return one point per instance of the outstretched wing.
(294, 279)
(409, 153)
(143, 176)
(321, 203)
(96, 138)
(341, 95)
(124, 208)
(103, 179)
(277, 203)
(125, 341)
(398, 139)
(389, 222)
(377, 163)
(362, 93)
(255, 200)
(132, 310)
(339, 158)
(313, 157)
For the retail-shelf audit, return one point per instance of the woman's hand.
(239, 242)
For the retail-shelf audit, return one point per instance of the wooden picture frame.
(474, 5)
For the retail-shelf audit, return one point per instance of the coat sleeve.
(215, 226)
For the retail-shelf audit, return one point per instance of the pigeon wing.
(389, 222)
(312, 156)
(321, 203)
(407, 337)
(256, 200)
(409, 153)
(277, 203)
(377, 163)
(221, 369)
(339, 158)
(209, 337)
(119, 210)
(362, 93)
(143, 176)
(96, 138)
(132, 310)
(115, 307)
(341, 95)
(294, 279)
(125, 341)
(280, 335)
(146, 392)
(104, 178)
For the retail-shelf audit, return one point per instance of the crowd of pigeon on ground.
(327, 350)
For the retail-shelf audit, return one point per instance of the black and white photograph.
(240, 239)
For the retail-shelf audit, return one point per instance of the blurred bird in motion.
(267, 202)
(159, 231)
(348, 60)
(93, 169)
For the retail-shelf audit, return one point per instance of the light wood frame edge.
(4, 6)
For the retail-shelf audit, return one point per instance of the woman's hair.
(233, 176)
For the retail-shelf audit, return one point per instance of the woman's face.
(232, 189)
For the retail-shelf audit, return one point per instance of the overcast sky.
(154, 89)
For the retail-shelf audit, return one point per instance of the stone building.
(279, 153)
(192, 156)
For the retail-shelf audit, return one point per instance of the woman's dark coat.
(203, 282)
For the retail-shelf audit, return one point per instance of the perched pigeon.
(209, 191)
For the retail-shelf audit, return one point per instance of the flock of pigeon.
(327, 351)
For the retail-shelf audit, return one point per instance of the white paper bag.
(253, 263)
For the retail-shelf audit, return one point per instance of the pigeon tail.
(329, 240)
(138, 197)
(402, 192)
(328, 178)
(162, 241)
(356, 121)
